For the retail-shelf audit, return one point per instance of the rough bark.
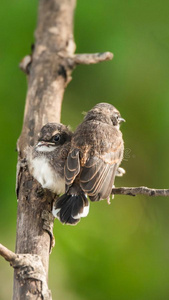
(49, 73)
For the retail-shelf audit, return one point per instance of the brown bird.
(92, 163)
(46, 160)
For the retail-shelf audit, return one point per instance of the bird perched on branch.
(46, 160)
(92, 163)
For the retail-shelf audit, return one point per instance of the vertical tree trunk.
(48, 75)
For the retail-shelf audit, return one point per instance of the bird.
(46, 159)
(92, 163)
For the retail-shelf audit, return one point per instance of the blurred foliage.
(119, 251)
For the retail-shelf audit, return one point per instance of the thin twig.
(7, 254)
(89, 58)
(142, 190)
(25, 63)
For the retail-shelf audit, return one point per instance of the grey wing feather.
(72, 167)
(97, 177)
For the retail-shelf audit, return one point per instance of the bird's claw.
(120, 172)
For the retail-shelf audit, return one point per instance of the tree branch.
(77, 59)
(142, 190)
(90, 58)
(48, 74)
(7, 254)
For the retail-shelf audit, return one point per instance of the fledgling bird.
(46, 160)
(92, 163)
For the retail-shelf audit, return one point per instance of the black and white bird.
(92, 163)
(46, 160)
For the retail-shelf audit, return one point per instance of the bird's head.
(51, 136)
(105, 113)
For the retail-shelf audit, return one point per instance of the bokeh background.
(119, 251)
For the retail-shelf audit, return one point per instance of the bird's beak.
(121, 120)
(43, 143)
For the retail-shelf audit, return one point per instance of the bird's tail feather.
(70, 208)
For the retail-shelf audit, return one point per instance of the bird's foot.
(120, 172)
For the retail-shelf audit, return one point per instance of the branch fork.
(28, 266)
(72, 61)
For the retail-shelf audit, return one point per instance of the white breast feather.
(47, 177)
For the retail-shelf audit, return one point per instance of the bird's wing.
(72, 167)
(98, 174)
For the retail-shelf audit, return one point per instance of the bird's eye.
(56, 138)
(114, 120)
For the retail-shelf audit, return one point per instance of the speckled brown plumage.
(92, 163)
(96, 152)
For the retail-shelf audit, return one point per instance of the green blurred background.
(119, 251)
